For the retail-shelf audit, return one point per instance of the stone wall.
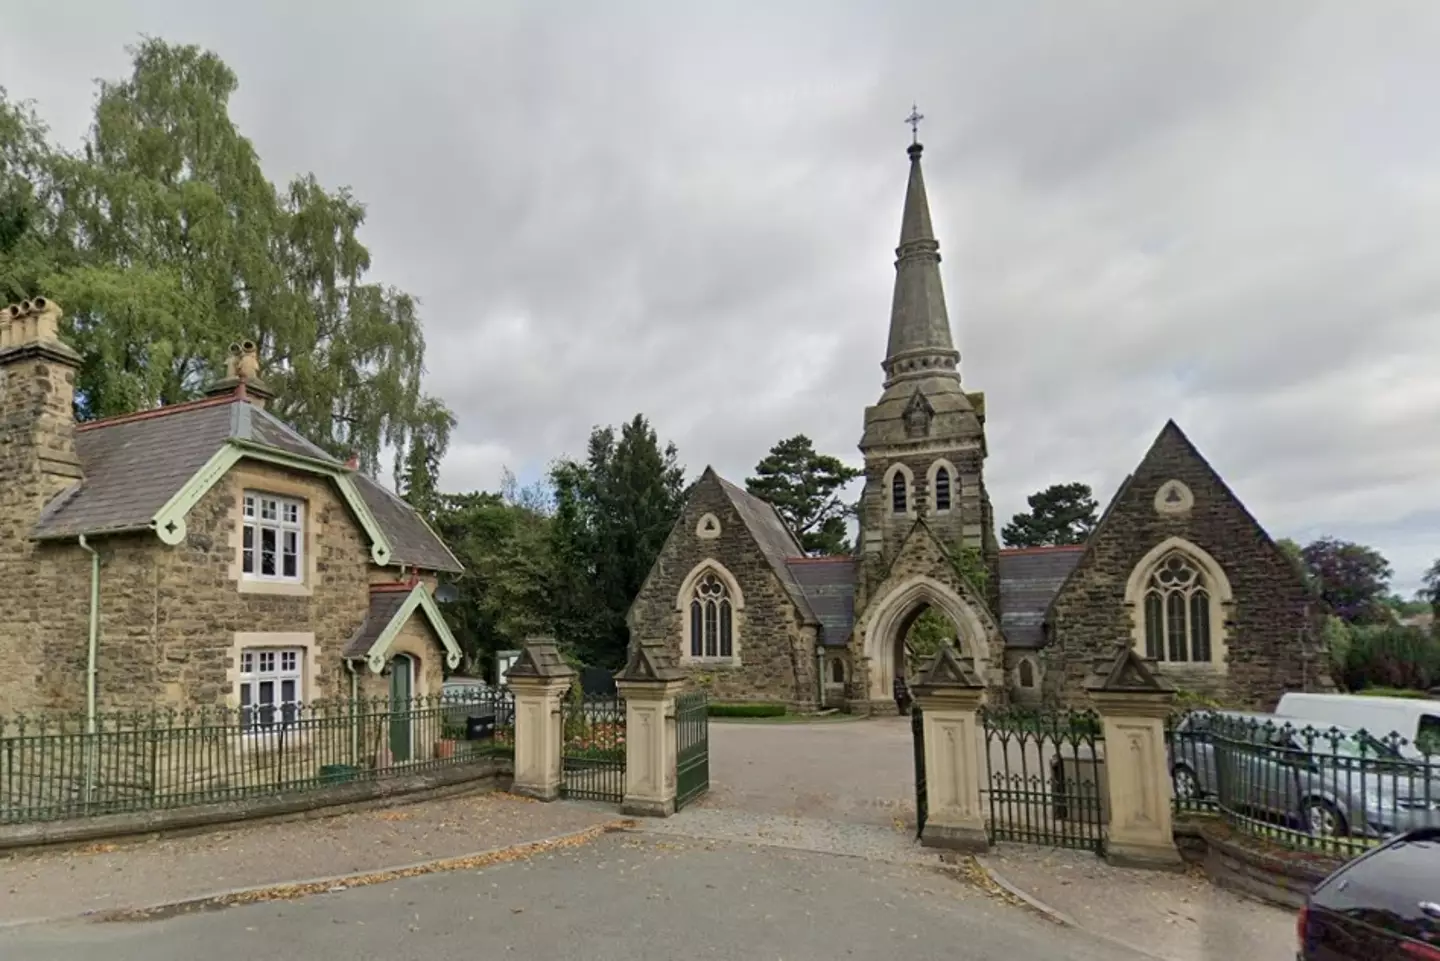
(1090, 618)
(776, 649)
(169, 615)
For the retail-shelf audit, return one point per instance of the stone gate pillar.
(649, 683)
(1133, 704)
(950, 695)
(539, 679)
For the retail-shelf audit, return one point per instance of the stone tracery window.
(1177, 612)
(712, 619)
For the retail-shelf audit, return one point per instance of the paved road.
(624, 898)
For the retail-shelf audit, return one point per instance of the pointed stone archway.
(889, 617)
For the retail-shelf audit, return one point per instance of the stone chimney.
(37, 402)
(242, 376)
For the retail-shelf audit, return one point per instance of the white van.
(1417, 720)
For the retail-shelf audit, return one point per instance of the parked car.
(1417, 720)
(1382, 905)
(1332, 782)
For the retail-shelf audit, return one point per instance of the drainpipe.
(90, 666)
(90, 669)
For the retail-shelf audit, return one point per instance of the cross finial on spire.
(914, 121)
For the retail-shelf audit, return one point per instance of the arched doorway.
(898, 612)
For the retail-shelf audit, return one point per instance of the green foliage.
(1060, 514)
(1295, 554)
(1195, 701)
(969, 563)
(1389, 656)
(1352, 579)
(803, 486)
(1430, 591)
(930, 630)
(747, 709)
(503, 541)
(165, 243)
(1395, 692)
(612, 514)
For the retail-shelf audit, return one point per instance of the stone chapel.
(1176, 568)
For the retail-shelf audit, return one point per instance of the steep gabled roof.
(138, 465)
(1030, 577)
(1170, 439)
(391, 605)
(776, 541)
(828, 584)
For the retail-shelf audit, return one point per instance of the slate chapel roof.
(1029, 579)
(134, 464)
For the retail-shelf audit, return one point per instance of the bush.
(752, 709)
(1390, 656)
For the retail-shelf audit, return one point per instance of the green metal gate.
(1045, 781)
(922, 804)
(692, 747)
(592, 747)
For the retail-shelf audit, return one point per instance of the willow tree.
(166, 243)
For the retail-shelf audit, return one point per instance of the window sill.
(271, 739)
(710, 662)
(275, 588)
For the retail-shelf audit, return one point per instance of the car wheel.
(1186, 787)
(1322, 820)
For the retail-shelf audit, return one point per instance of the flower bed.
(601, 741)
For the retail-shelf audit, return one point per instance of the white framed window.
(273, 542)
(271, 687)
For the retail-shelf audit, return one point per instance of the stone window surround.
(737, 613)
(1020, 673)
(889, 488)
(708, 527)
(833, 660)
(1222, 602)
(280, 525)
(954, 486)
(275, 640)
(244, 480)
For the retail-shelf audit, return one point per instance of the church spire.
(920, 341)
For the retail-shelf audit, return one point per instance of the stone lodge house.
(196, 555)
(1177, 567)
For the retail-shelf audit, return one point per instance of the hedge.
(748, 709)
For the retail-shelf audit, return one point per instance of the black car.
(1381, 906)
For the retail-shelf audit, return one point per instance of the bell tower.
(924, 439)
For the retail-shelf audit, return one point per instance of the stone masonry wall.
(1090, 617)
(37, 462)
(169, 615)
(777, 660)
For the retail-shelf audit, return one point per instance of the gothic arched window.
(837, 671)
(1177, 612)
(712, 618)
(899, 493)
(942, 489)
(1027, 673)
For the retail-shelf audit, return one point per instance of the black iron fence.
(1305, 786)
(58, 766)
(592, 749)
(1045, 777)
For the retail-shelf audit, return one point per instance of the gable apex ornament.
(948, 670)
(918, 414)
(650, 662)
(1127, 673)
(540, 658)
(1173, 498)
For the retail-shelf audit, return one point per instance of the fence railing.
(60, 766)
(1306, 786)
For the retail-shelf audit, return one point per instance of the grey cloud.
(1218, 213)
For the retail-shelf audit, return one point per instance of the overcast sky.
(1227, 213)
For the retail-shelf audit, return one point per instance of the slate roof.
(774, 539)
(1029, 579)
(134, 464)
(412, 542)
(384, 605)
(828, 584)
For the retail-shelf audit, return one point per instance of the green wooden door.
(402, 677)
